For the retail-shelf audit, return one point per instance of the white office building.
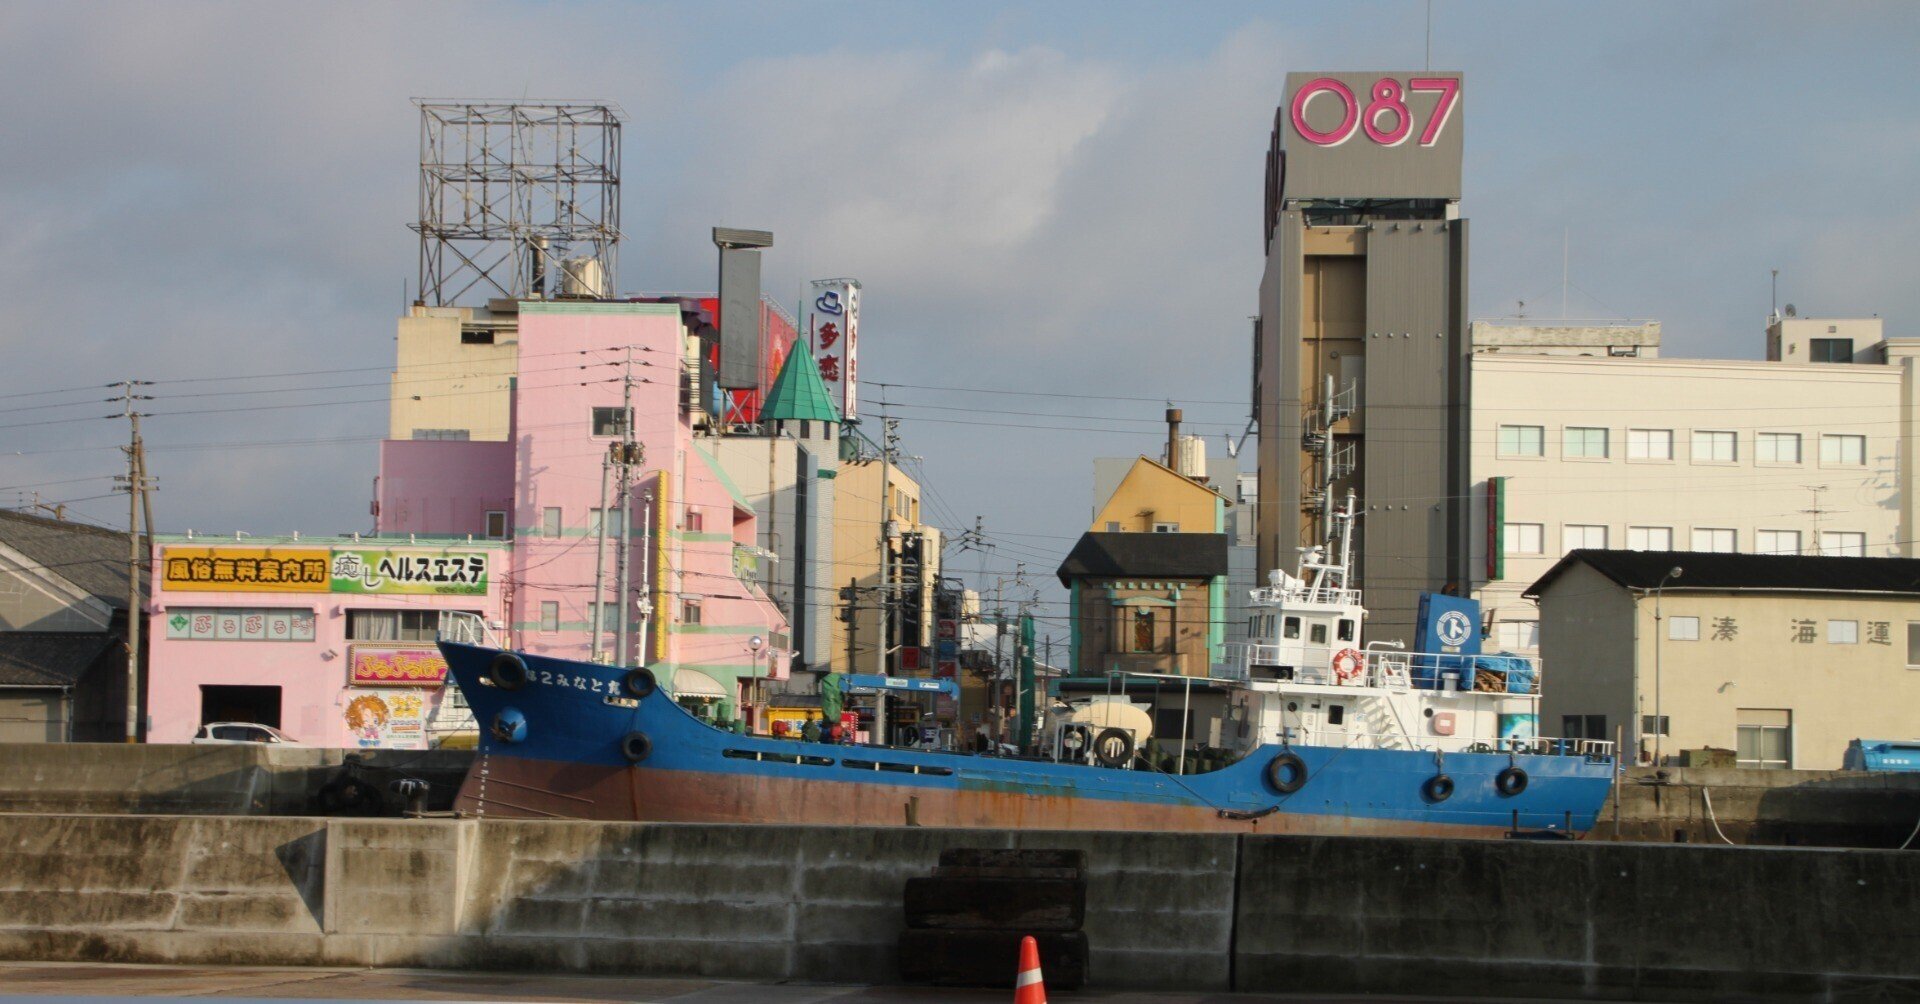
(1594, 441)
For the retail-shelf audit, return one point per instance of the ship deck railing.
(1380, 667)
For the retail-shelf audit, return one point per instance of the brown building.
(1144, 602)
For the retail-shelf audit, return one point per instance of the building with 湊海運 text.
(328, 639)
(1778, 660)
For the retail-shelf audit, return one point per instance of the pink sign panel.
(402, 667)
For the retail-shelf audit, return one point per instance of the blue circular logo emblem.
(1453, 627)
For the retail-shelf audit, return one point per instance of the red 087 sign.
(1385, 117)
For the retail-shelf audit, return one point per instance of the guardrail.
(1523, 746)
(1345, 666)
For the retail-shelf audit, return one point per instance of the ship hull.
(569, 763)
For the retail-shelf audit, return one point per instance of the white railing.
(466, 629)
(1387, 669)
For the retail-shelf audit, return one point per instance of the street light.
(753, 695)
(1659, 724)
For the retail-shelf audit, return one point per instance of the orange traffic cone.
(1028, 988)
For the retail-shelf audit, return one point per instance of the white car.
(229, 733)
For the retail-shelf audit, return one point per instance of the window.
(395, 625)
(1523, 440)
(549, 615)
(1913, 645)
(1113, 526)
(615, 522)
(1649, 444)
(1336, 714)
(1166, 528)
(476, 336)
(452, 434)
(1525, 538)
(1777, 448)
(1843, 543)
(496, 524)
(1345, 632)
(1776, 542)
(1583, 726)
(1683, 629)
(1578, 535)
(1830, 350)
(690, 612)
(1656, 725)
(1714, 448)
(238, 624)
(1649, 538)
(1846, 451)
(550, 521)
(1843, 632)
(1515, 635)
(609, 615)
(1317, 633)
(1291, 628)
(1764, 738)
(610, 421)
(1711, 539)
(1586, 442)
(1142, 630)
(694, 521)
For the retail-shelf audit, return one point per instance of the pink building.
(328, 639)
(692, 599)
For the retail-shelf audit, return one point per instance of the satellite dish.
(1791, 312)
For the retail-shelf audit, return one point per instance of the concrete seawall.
(1164, 911)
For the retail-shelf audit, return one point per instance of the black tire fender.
(639, 682)
(508, 671)
(1287, 773)
(635, 746)
(1438, 788)
(1510, 782)
(1113, 759)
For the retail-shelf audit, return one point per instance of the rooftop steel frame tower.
(517, 198)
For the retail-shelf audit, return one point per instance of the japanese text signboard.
(833, 330)
(319, 570)
(402, 667)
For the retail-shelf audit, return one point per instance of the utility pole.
(600, 561)
(625, 453)
(887, 438)
(136, 484)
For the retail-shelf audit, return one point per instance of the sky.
(1060, 199)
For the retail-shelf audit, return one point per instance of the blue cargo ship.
(1329, 737)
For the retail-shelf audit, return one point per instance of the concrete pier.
(1164, 911)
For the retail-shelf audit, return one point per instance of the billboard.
(397, 667)
(833, 331)
(1370, 135)
(366, 570)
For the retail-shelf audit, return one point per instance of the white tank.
(582, 277)
(1193, 457)
(1105, 712)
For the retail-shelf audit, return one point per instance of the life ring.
(640, 682)
(635, 746)
(1510, 782)
(508, 671)
(1113, 747)
(1287, 773)
(1348, 664)
(1438, 788)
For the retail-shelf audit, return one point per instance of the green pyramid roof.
(798, 392)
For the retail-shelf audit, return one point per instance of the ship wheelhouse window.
(1293, 627)
(1336, 714)
(1346, 629)
(1317, 634)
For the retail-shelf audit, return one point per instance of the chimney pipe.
(1173, 438)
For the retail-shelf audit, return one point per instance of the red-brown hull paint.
(518, 788)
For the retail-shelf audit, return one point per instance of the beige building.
(1783, 659)
(857, 557)
(1624, 450)
(453, 372)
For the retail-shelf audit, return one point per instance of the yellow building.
(1783, 659)
(454, 372)
(1154, 498)
(857, 558)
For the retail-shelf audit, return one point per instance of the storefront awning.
(693, 684)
